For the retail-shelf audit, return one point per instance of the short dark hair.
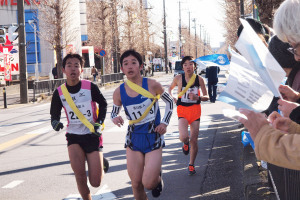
(185, 58)
(131, 52)
(255, 24)
(72, 55)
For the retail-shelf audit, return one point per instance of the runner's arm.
(117, 103)
(172, 86)
(166, 97)
(98, 97)
(203, 89)
(55, 111)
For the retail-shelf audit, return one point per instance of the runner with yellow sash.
(189, 107)
(145, 132)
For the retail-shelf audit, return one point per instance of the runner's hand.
(193, 96)
(98, 128)
(118, 121)
(175, 100)
(57, 125)
(161, 129)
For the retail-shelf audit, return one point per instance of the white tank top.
(84, 103)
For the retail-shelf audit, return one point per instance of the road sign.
(102, 52)
(13, 32)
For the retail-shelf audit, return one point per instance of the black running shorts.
(88, 142)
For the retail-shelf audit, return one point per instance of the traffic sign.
(102, 52)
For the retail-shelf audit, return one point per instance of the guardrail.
(48, 86)
(107, 78)
(45, 86)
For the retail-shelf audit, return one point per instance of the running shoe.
(192, 170)
(186, 148)
(105, 164)
(159, 188)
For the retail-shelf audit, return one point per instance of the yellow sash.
(75, 109)
(145, 93)
(189, 84)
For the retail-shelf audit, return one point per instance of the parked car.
(178, 69)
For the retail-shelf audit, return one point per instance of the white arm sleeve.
(166, 97)
(115, 111)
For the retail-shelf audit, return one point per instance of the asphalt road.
(35, 165)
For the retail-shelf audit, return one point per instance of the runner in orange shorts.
(189, 108)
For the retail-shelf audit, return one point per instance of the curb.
(255, 177)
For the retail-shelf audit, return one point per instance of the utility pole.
(194, 20)
(204, 41)
(22, 53)
(165, 40)
(242, 9)
(179, 31)
(254, 9)
(189, 32)
(200, 39)
(142, 29)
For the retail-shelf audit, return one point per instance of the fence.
(107, 78)
(45, 86)
(48, 86)
(285, 182)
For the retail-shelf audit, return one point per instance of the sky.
(208, 13)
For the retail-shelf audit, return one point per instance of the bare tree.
(266, 9)
(56, 28)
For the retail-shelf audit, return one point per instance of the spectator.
(170, 66)
(281, 146)
(212, 79)
(54, 72)
(94, 73)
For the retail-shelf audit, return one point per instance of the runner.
(82, 144)
(144, 139)
(189, 108)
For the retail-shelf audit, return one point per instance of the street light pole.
(36, 69)
(165, 40)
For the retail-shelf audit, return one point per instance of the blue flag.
(219, 59)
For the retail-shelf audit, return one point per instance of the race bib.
(185, 97)
(136, 111)
(84, 108)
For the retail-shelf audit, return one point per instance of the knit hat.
(279, 51)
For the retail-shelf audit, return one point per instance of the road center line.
(16, 141)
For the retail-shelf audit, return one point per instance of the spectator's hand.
(118, 121)
(57, 125)
(254, 122)
(288, 93)
(274, 115)
(286, 107)
(282, 123)
(161, 129)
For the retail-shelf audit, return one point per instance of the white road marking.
(103, 194)
(20, 128)
(40, 130)
(13, 184)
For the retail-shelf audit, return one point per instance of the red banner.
(7, 68)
